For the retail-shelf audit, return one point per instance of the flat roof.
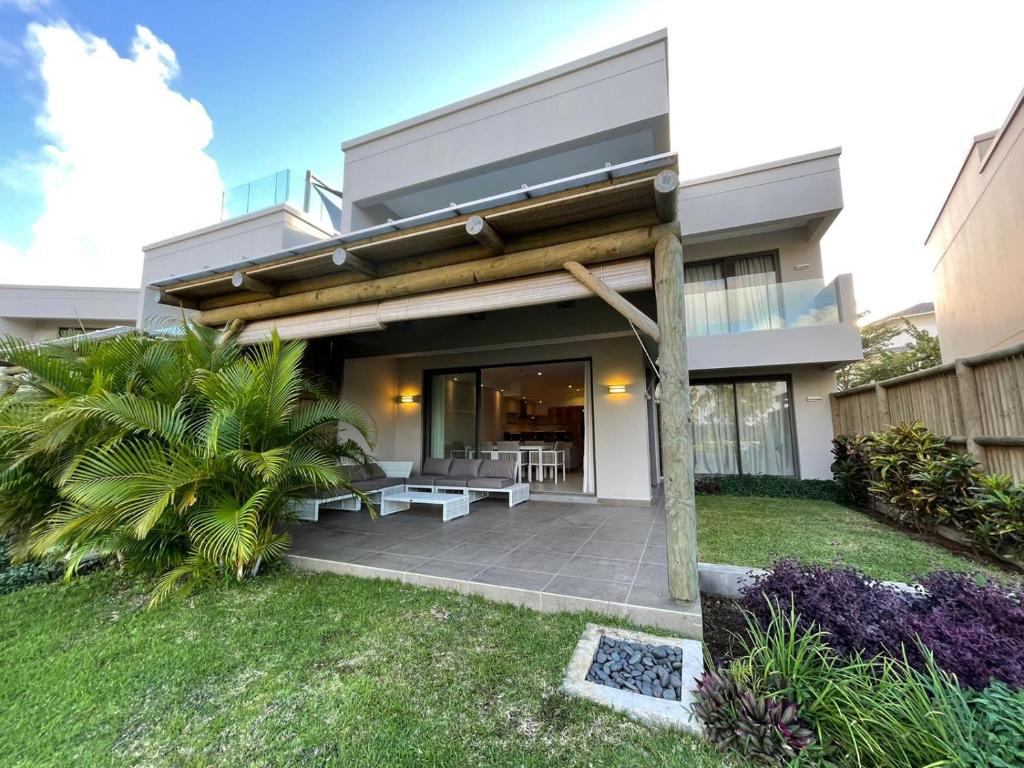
(518, 85)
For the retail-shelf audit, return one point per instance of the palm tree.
(183, 458)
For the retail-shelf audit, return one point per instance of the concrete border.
(686, 620)
(645, 709)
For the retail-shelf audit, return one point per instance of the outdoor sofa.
(374, 479)
(475, 478)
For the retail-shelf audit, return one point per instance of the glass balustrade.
(792, 304)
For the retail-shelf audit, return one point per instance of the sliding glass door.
(732, 295)
(451, 429)
(743, 426)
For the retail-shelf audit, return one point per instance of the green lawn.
(301, 670)
(755, 531)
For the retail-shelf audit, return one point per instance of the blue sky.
(286, 85)
(121, 122)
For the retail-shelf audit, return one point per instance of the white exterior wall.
(37, 312)
(609, 107)
(620, 421)
(230, 242)
(978, 246)
(813, 417)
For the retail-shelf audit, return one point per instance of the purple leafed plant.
(975, 631)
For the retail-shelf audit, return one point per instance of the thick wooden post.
(882, 403)
(676, 436)
(970, 409)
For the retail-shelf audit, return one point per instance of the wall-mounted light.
(617, 389)
(407, 399)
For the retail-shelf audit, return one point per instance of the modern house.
(920, 315)
(977, 242)
(457, 304)
(43, 312)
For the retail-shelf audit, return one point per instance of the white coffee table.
(452, 505)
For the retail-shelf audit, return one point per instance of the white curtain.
(765, 428)
(714, 429)
(437, 417)
(753, 294)
(588, 431)
(707, 311)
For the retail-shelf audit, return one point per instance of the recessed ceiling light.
(539, 373)
(456, 378)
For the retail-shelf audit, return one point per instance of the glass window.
(742, 426)
(713, 412)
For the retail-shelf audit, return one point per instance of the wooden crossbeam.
(246, 283)
(176, 301)
(347, 260)
(478, 228)
(614, 299)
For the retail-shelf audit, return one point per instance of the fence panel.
(978, 403)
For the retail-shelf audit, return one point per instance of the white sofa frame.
(309, 509)
(517, 493)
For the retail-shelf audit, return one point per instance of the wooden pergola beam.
(244, 282)
(615, 300)
(171, 300)
(677, 438)
(619, 245)
(478, 228)
(666, 195)
(347, 260)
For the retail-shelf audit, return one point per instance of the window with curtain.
(740, 293)
(743, 427)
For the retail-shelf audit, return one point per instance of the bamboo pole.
(478, 228)
(677, 439)
(615, 299)
(627, 244)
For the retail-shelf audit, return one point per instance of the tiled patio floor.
(550, 556)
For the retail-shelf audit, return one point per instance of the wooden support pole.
(484, 233)
(970, 408)
(246, 283)
(666, 195)
(676, 435)
(347, 260)
(619, 245)
(615, 299)
(176, 301)
(882, 403)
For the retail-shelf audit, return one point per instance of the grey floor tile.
(619, 550)
(650, 597)
(603, 568)
(653, 576)
(594, 589)
(634, 535)
(566, 545)
(448, 569)
(513, 577)
(420, 548)
(476, 552)
(655, 555)
(390, 561)
(530, 559)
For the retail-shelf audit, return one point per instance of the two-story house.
(442, 306)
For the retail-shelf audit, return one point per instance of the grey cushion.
(491, 482)
(424, 479)
(465, 468)
(377, 483)
(436, 466)
(453, 482)
(493, 468)
(330, 493)
(373, 471)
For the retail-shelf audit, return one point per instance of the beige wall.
(793, 246)
(813, 418)
(978, 247)
(620, 421)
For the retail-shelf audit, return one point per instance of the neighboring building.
(492, 354)
(977, 242)
(42, 312)
(921, 316)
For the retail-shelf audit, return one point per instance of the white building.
(445, 371)
(41, 312)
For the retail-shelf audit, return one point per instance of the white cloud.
(125, 163)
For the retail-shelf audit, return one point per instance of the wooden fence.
(976, 402)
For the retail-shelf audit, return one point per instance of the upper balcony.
(318, 201)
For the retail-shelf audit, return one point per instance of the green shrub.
(182, 457)
(17, 576)
(876, 711)
(996, 515)
(923, 480)
(851, 469)
(768, 485)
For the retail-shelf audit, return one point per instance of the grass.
(301, 669)
(757, 531)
